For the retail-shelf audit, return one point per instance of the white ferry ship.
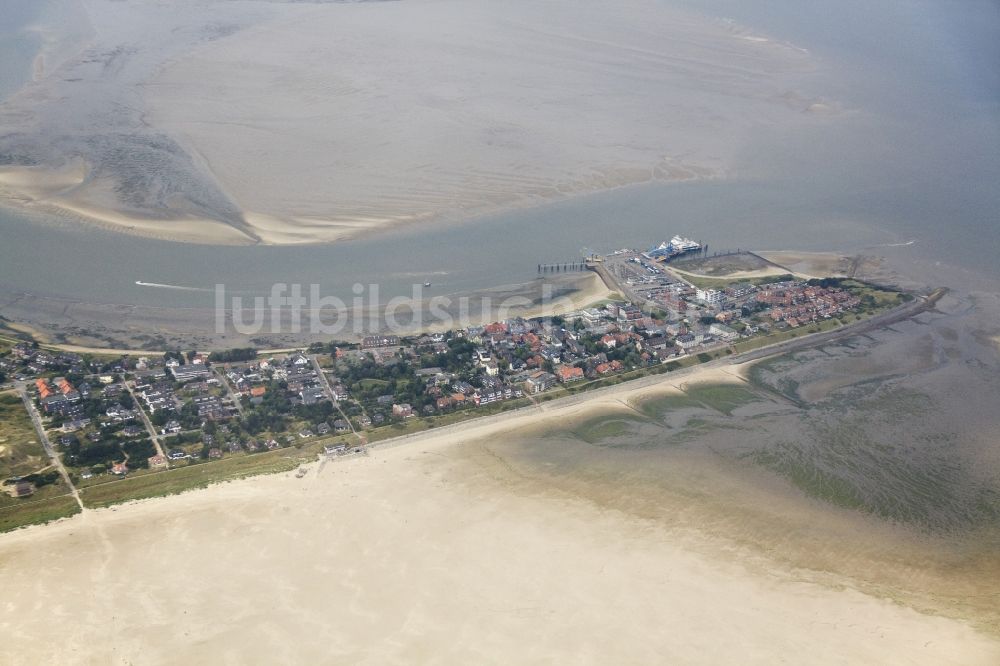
(672, 248)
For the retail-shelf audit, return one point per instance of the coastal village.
(107, 418)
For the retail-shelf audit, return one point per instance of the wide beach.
(439, 550)
(835, 503)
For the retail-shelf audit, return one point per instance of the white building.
(723, 332)
(688, 341)
(710, 296)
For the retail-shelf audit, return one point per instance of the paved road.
(329, 394)
(145, 419)
(43, 437)
(612, 282)
(229, 391)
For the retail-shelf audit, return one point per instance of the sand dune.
(280, 123)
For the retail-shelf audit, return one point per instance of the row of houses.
(157, 396)
(58, 396)
(800, 304)
(303, 383)
(27, 360)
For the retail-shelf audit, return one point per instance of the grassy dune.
(33, 511)
(20, 451)
(200, 475)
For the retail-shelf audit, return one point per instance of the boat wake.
(415, 274)
(169, 286)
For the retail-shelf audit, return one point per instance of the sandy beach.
(736, 275)
(417, 553)
(834, 503)
(810, 264)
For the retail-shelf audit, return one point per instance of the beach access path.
(43, 437)
(145, 419)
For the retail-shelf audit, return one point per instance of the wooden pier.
(568, 267)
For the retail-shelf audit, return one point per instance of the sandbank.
(470, 108)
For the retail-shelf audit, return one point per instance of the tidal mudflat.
(869, 463)
(381, 113)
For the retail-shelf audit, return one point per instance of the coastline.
(478, 464)
(439, 510)
(108, 328)
(187, 327)
(48, 193)
(625, 389)
(804, 484)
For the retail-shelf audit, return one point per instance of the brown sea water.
(873, 462)
(911, 155)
